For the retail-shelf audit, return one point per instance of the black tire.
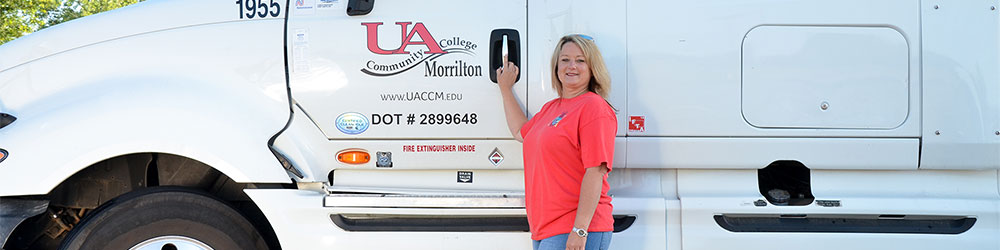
(136, 217)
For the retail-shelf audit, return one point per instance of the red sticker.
(637, 123)
(439, 148)
(496, 157)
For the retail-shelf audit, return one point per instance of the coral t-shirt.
(560, 142)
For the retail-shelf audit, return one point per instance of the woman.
(568, 149)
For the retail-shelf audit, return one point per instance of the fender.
(302, 139)
(202, 92)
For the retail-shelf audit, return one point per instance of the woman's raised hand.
(507, 74)
(511, 108)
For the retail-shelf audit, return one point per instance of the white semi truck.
(351, 124)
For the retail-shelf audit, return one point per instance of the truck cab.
(361, 125)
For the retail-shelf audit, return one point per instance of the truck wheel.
(164, 218)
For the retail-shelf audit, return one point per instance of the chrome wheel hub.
(171, 242)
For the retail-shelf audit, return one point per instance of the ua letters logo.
(418, 29)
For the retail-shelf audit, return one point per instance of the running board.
(437, 223)
(421, 198)
(425, 200)
(836, 223)
(405, 210)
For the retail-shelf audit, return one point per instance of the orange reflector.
(3, 154)
(353, 157)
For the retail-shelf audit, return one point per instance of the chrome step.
(418, 198)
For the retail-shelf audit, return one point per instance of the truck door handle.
(360, 7)
(513, 41)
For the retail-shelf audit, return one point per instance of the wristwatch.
(580, 232)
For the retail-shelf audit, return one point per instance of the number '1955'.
(258, 8)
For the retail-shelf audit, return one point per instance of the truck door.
(410, 79)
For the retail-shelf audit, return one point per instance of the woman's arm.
(511, 108)
(590, 194)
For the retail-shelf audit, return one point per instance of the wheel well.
(96, 184)
(785, 183)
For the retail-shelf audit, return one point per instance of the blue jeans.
(595, 241)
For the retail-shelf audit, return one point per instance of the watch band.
(580, 232)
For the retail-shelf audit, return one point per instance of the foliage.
(73, 9)
(21, 17)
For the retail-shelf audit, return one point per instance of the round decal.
(352, 123)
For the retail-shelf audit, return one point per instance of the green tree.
(21, 17)
(73, 9)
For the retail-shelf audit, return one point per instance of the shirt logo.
(555, 122)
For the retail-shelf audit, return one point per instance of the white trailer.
(350, 124)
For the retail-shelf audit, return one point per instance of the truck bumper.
(15, 211)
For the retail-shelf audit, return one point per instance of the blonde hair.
(600, 80)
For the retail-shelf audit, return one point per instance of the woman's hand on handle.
(507, 74)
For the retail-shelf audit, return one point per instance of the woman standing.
(568, 149)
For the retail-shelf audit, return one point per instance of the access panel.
(825, 77)
(689, 74)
